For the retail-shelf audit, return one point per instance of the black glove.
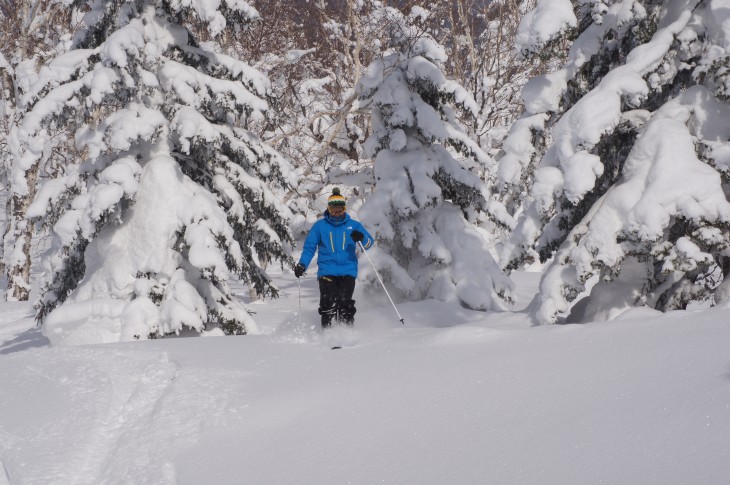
(357, 236)
(299, 270)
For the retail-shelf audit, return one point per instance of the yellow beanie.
(336, 198)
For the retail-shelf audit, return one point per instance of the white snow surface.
(453, 396)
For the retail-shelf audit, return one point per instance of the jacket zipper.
(332, 242)
(343, 240)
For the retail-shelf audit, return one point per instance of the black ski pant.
(335, 299)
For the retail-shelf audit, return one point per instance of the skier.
(336, 237)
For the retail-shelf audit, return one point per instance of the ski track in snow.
(124, 403)
(129, 410)
(4, 478)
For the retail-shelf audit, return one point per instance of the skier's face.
(336, 210)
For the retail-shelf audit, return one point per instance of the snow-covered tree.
(480, 39)
(314, 54)
(424, 189)
(31, 32)
(628, 145)
(172, 194)
(480, 43)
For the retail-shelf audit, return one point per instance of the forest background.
(474, 137)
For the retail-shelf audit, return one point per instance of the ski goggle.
(336, 209)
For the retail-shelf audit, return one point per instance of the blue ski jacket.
(337, 256)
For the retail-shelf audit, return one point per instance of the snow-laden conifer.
(425, 191)
(628, 145)
(172, 194)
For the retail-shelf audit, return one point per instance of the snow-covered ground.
(453, 396)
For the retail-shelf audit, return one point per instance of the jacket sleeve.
(310, 247)
(368, 240)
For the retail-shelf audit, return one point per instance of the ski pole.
(381, 282)
(299, 283)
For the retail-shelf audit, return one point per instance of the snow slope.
(453, 397)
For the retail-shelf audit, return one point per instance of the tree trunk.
(7, 111)
(22, 230)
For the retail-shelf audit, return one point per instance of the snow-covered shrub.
(424, 188)
(627, 146)
(172, 195)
